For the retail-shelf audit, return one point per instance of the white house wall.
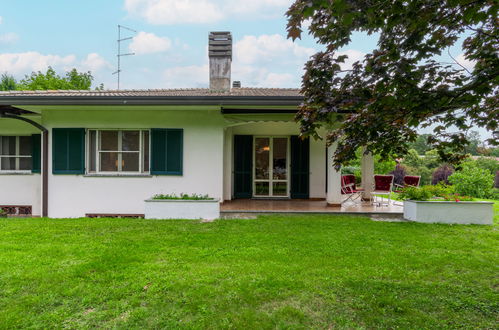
(20, 189)
(317, 151)
(77, 195)
(207, 161)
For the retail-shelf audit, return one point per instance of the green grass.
(273, 272)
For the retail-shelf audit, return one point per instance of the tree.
(50, 80)
(421, 144)
(400, 85)
(7, 82)
(474, 143)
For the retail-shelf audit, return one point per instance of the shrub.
(415, 194)
(182, 196)
(496, 180)
(487, 163)
(473, 181)
(442, 174)
(383, 166)
(398, 174)
(440, 190)
(413, 159)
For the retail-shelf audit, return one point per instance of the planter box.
(480, 213)
(182, 209)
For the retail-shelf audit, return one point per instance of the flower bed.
(449, 212)
(182, 207)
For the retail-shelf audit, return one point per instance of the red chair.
(349, 188)
(409, 181)
(383, 185)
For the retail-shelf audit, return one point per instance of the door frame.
(271, 167)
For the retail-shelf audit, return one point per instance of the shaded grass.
(273, 272)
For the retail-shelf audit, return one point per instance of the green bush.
(440, 190)
(472, 181)
(383, 166)
(416, 193)
(182, 196)
(487, 163)
(437, 192)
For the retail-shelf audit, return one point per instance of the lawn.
(272, 272)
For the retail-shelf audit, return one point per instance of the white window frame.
(16, 156)
(120, 141)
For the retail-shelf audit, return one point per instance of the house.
(78, 153)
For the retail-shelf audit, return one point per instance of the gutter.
(152, 100)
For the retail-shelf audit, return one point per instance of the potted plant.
(183, 206)
(439, 204)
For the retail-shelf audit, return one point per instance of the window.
(118, 151)
(15, 153)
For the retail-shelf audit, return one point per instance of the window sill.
(18, 173)
(116, 175)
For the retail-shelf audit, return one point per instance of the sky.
(170, 42)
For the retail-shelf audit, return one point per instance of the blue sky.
(170, 45)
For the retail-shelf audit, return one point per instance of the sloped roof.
(194, 96)
(244, 92)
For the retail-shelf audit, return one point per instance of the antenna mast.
(119, 55)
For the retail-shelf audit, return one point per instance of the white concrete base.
(182, 209)
(480, 213)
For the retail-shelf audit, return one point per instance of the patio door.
(271, 166)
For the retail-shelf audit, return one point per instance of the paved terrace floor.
(305, 206)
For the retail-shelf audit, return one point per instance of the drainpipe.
(45, 161)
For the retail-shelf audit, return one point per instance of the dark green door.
(243, 164)
(300, 167)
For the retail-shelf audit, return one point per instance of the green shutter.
(166, 151)
(68, 151)
(243, 166)
(300, 167)
(36, 152)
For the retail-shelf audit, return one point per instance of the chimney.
(220, 54)
(236, 84)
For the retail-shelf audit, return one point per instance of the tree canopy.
(7, 82)
(50, 80)
(400, 85)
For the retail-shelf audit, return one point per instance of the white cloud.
(1, 19)
(20, 64)
(186, 76)
(8, 38)
(202, 11)
(353, 56)
(94, 63)
(174, 11)
(147, 43)
(470, 65)
(270, 48)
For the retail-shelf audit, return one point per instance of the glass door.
(271, 167)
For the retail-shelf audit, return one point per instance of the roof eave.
(152, 100)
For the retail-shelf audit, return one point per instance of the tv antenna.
(119, 55)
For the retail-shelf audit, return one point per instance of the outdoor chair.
(409, 181)
(383, 185)
(349, 188)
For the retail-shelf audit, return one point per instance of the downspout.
(45, 161)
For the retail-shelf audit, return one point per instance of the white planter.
(182, 209)
(480, 213)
